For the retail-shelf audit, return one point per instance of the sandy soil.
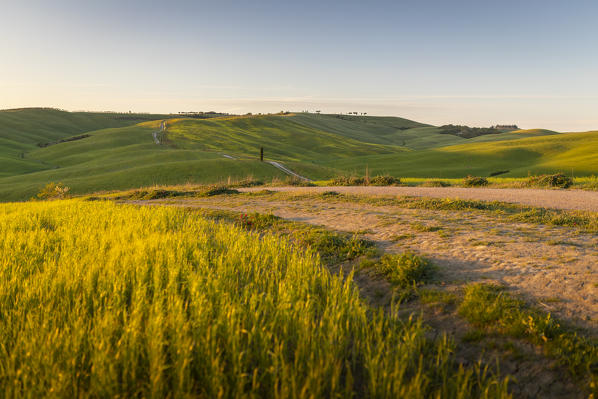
(558, 199)
(555, 268)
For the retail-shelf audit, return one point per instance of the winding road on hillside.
(558, 199)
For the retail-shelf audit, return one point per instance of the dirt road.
(558, 199)
(554, 267)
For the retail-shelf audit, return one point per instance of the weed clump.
(216, 190)
(53, 191)
(558, 180)
(332, 245)
(380, 180)
(475, 181)
(405, 270)
(491, 309)
(435, 183)
(348, 181)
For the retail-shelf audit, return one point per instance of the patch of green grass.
(543, 154)
(160, 302)
(491, 309)
(405, 270)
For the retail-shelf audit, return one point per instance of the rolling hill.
(103, 151)
(551, 153)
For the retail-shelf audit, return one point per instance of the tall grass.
(103, 300)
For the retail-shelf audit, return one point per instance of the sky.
(528, 62)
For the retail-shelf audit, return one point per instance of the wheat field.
(106, 300)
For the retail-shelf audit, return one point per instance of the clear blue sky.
(481, 62)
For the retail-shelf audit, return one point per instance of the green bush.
(385, 180)
(475, 181)
(53, 191)
(216, 190)
(380, 180)
(556, 180)
(348, 181)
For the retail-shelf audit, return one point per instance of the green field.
(106, 151)
(160, 302)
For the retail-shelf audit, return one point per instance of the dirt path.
(558, 199)
(555, 268)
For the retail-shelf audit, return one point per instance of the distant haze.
(531, 63)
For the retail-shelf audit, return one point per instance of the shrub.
(348, 181)
(475, 181)
(385, 180)
(333, 245)
(217, 190)
(555, 180)
(435, 183)
(406, 269)
(381, 180)
(247, 182)
(53, 191)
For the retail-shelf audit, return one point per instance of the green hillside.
(103, 151)
(24, 130)
(571, 152)
(380, 130)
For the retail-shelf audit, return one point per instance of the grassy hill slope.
(24, 130)
(281, 136)
(380, 130)
(111, 156)
(571, 152)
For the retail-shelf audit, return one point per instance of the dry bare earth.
(558, 199)
(552, 267)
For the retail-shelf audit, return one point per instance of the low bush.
(380, 180)
(348, 181)
(53, 191)
(556, 180)
(475, 181)
(216, 190)
(435, 183)
(332, 245)
(385, 180)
